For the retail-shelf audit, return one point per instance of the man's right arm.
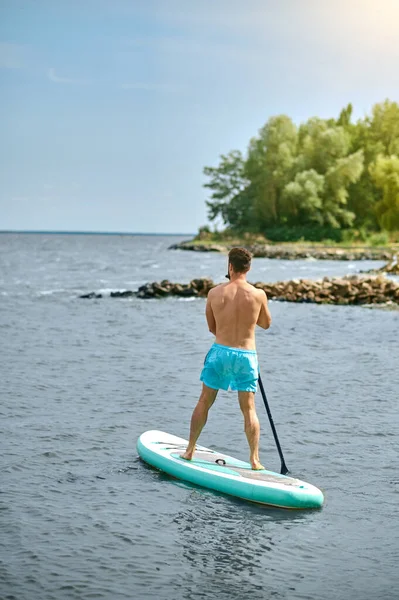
(210, 317)
(265, 318)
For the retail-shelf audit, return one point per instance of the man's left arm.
(210, 316)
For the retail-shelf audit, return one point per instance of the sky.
(110, 109)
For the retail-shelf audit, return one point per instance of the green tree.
(271, 157)
(385, 174)
(324, 150)
(227, 182)
(345, 171)
(345, 116)
(377, 134)
(303, 198)
(384, 127)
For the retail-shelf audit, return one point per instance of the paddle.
(284, 469)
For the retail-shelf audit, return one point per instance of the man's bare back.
(233, 311)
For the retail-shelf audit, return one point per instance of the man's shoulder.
(251, 288)
(218, 289)
(256, 292)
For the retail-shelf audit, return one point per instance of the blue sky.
(109, 109)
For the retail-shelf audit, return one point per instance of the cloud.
(51, 74)
(11, 56)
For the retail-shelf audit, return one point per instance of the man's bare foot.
(256, 465)
(188, 455)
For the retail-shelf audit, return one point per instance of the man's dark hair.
(240, 259)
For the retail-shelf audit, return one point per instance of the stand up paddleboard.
(223, 473)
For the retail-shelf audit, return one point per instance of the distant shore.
(293, 251)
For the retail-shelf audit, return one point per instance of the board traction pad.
(211, 457)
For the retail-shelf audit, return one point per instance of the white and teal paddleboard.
(217, 471)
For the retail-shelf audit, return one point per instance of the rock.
(197, 247)
(123, 294)
(146, 291)
(341, 288)
(185, 291)
(202, 285)
(390, 284)
(392, 267)
(91, 296)
(165, 283)
(160, 290)
(179, 246)
(177, 288)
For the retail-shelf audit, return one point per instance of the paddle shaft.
(284, 469)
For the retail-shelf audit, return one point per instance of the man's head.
(239, 260)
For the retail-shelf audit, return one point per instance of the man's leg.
(199, 418)
(251, 426)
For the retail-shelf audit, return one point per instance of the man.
(233, 310)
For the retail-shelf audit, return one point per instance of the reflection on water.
(233, 540)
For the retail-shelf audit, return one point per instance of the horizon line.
(82, 232)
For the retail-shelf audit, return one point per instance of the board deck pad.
(215, 470)
(261, 475)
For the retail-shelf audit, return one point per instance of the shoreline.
(293, 251)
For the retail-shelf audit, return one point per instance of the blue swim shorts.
(233, 368)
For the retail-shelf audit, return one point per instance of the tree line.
(316, 180)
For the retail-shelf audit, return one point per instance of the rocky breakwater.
(344, 290)
(198, 247)
(294, 252)
(196, 287)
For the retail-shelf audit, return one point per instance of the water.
(82, 517)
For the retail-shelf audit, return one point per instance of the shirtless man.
(233, 310)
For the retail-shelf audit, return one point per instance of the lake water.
(82, 517)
